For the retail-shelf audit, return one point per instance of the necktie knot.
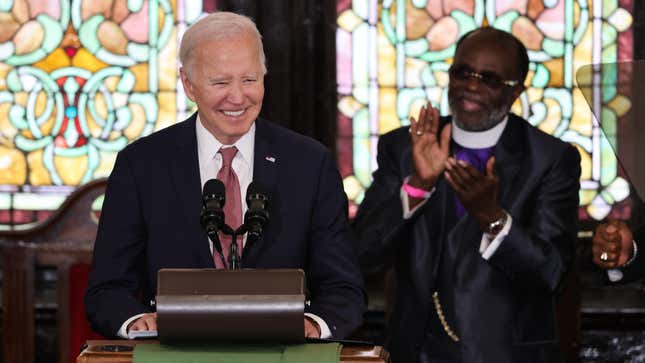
(227, 155)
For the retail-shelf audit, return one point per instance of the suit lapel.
(266, 162)
(510, 156)
(184, 171)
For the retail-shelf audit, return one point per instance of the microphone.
(257, 214)
(212, 216)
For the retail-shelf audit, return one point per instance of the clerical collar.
(478, 139)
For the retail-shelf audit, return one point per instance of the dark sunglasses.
(489, 79)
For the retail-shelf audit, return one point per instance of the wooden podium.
(120, 351)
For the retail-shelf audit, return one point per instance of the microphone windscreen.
(254, 190)
(214, 187)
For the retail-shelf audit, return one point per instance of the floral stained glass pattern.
(79, 80)
(393, 55)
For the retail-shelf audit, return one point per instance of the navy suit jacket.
(504, 307)
(150, 220)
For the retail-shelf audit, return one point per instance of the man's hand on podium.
(312, 330)
(145, 322)
(149, 322)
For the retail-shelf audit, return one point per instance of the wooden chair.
(63, 241)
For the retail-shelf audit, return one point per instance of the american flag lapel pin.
(269, 158)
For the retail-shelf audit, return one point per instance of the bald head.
(218, 26)
(499, 38)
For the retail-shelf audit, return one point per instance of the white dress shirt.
(473, 140)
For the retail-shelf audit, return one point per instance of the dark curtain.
(299, 41)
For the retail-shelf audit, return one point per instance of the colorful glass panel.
(392, 55)
(79, 80)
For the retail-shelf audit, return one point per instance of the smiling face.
(475, 104)
(225, 78)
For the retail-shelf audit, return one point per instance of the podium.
(120, 351)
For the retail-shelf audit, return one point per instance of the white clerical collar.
(478, 139)
(209, 145)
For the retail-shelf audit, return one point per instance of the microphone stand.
(235, 262)
(217, 246)
(234, 256)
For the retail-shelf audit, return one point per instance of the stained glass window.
(79, 80)
(392, 55)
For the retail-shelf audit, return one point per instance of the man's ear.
(188, 87)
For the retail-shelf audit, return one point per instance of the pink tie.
(232, 206)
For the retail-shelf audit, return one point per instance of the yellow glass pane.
(85, 60)
(582, 52)
(586, 196)
(168, 64)
(46, 127)
(99, 106)
(348, 20)
(133, 131)
(141, 77)
(555, 68)
(348, 106)
(106, 163)
(7, 130)
(71, 169)
(413, 69)
(352, 187)
(387, 110)
(55, 60)
(580, 121)
(13, 166)
(38, 175)
(534, 94)
(621, 105)
(620, 19)
(553, 117)
(386, 60)
(585, 163)
(167, 109)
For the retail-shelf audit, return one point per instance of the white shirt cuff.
(614, 275)
(325, 333)
(407, 213)
(487, 247)
(123, 332)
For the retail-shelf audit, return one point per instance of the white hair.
(216, 26)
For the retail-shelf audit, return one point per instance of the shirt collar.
(209, 145)
(478, 139)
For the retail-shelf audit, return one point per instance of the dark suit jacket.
(504, 307)
(150, 220)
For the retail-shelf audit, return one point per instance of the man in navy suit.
(151, 213)
(477, 213)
